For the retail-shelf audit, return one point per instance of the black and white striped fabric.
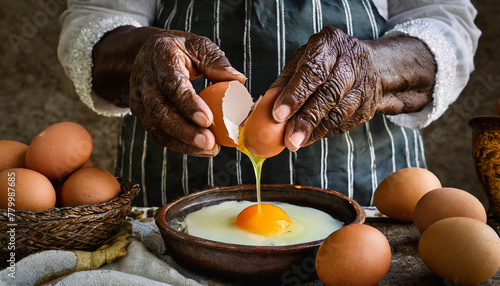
(258, 37)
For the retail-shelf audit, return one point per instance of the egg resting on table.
(217, 222)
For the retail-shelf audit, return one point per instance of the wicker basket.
(73, 228)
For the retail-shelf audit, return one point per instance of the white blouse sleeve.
(447, 27)
(83, 24)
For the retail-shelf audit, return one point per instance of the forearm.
(406, 70)
(84, 23)
(113, 58)
(447, 28)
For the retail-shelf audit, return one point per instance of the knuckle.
(314, 70)
(325, 128)
(330, 93)
(317, 134)
(183, 100)
(171, 82)
(333, 119)
(201, 45)
(215, 57)
(306, 122)
(158, 112)
(156, 134)
(313, 114)
(177, 129)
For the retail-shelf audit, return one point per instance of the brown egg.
(230, 104)
(59, 184)
(461, 250)
(59, 150)
(12, 154)
(88, 186)
(24, 189)
(356, 254)
(446, 202)
(262, 135)
(398, 194)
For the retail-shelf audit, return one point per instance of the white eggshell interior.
(236, 105)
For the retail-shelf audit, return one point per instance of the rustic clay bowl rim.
(223, 246)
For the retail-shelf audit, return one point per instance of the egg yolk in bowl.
(264, 219)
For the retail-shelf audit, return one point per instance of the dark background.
(35, 92)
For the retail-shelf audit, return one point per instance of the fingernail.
(297, 139)
(201, 119)
(281, 113)
(200, 141)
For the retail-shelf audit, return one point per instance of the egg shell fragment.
(461, 250)
(230, 104)
(59, 150)
(12, 154)
(446, 202)
(356, 254)
(28, 190)
(398, 194)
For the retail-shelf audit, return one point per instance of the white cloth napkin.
(144, 264)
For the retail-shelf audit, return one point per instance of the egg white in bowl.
(217, 222)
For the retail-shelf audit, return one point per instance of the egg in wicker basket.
(84, 227)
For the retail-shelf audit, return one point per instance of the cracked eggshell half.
(230, 103)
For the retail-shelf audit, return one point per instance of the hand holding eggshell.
(238, 122)
(230, 104)
(336, 82)
(162, 96)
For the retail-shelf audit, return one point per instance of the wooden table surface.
(406, 266)
(407, 269)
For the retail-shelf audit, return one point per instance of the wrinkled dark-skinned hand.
(336, 82)
(161, 93)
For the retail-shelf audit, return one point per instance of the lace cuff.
(446, 77)
(80, 63)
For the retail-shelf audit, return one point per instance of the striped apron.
(258, 37)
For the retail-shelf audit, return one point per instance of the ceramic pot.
(486, 153)
(244, 262)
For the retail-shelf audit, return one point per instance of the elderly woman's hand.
(161, 94)
(336, 82)
(159, 65)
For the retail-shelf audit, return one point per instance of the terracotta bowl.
(486, 154)
(243, 261)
